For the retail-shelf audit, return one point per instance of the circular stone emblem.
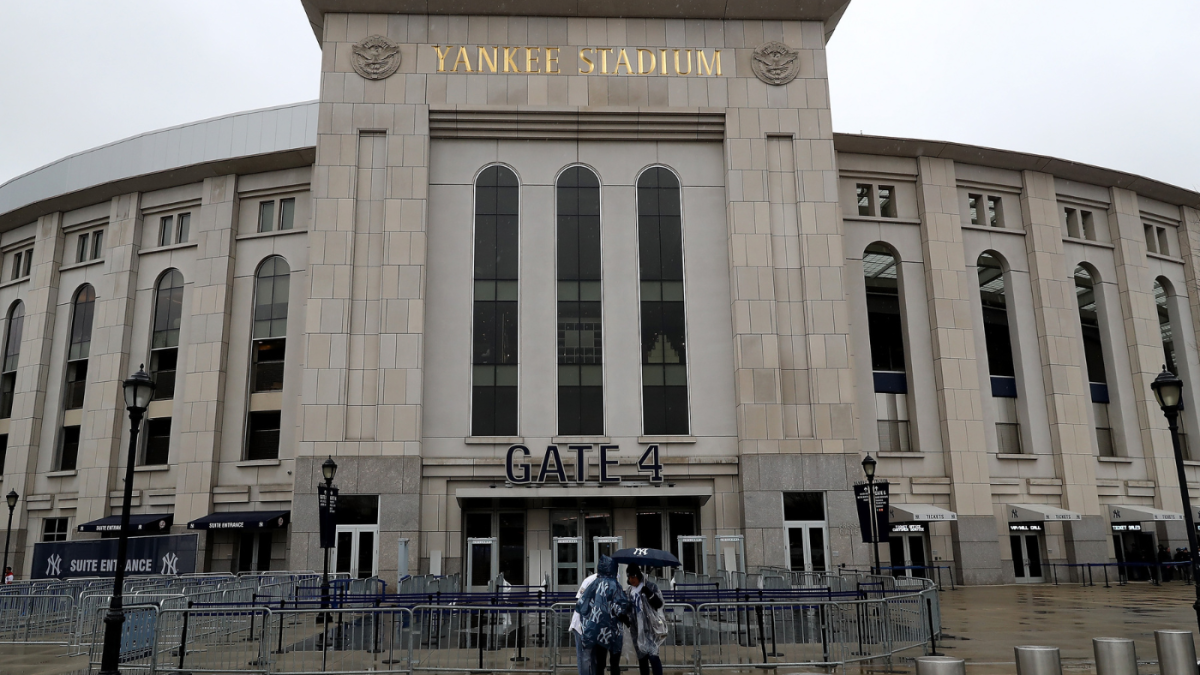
(776, 63)
(376, 57)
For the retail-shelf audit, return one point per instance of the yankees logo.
(641, 551)
(170, 564)
(605, 635)
(54, 565)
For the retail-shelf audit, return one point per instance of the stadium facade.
(545, 286)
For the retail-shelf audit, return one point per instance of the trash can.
(1115, 656)
(1176, 652)
(1035, 660)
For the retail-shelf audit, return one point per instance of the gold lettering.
(552, 58)
(604, 52)
(590, 66)
(462, 58)
(623, 58)
(531, 59)
(484, 58)
(689, 62)
(702, 63)
(509, 53)
(662, 59)
(641, 67)
(442, 57)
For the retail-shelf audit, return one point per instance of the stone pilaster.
(1056, 315)
(33, 373)
(208, 300)
(956, 371)
(103, 447)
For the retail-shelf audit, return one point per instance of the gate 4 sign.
(518, 469)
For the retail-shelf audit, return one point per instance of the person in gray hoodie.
(603, 608)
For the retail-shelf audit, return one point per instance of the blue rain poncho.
(602, 608)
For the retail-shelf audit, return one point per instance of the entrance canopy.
(1039, 512)
(139, 523)
(242, 520)
(919, 513)
(1123, 513)
(571, 496)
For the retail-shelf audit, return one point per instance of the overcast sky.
(1087, 80)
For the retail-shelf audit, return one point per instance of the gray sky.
(1086, 80)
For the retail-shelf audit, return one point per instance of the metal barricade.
(490, 638)
(138, 635)
(28, 619)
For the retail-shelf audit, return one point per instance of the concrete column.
(202, 362)
(33, 372)
(956, 372)
(103, 443)
(1056, 315)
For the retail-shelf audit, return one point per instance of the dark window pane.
(268, 364)
(81, 324)
(649, 530)
(8, 386)
(581, 396)
(803, 506)
(97, 243)
(494, 329)
(271, 298)
(287, 213)
(69, 452)
(163, 364)
(168, 310)
(158, 441)
(477, 525)
(166, 227)
(266, 216)
(262, 437)
(358, 510)
(76, 384)
(185, 228)
(366, 555)
(512, 547)
(3, 451)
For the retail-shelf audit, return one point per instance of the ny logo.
(605, 635)
(595, 616)
(170, 563)
(54, 565)
(641, 551)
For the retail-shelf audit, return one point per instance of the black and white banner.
(880, 508)
(168, 554)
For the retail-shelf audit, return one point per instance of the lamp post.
(868, 465)
(328, 471)
(12, 498)
(138, 391)
(1168, 389)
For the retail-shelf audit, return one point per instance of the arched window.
(164, 342)
(1093, 356)
(580, 373)
(12, 354)
(1164, 327)
(268, 350)
(494, 340)
(82, 309)
(885, 327)
(998, 341)
(660, 266)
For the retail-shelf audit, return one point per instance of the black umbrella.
(646, 557)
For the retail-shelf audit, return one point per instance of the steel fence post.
(183, 634)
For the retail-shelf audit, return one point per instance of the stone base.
(1086, 542)
(977, 551)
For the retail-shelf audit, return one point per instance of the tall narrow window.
(862, 194)
(998, 339)
(1093, 354)
(660, 264)
(270, 325)
(995, 211)
(82, 309)
(81, 249)
(885, 328)
(494, 342)
(164, 344)
(185, 228)
(1164, 327)
(580, 375)
(266, 216)
(12, 354)
(887, 201)
(973, 204)
(287, 213)
(166, 227)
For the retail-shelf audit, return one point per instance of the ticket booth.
(908, 541)
(1027, 538)
(1135, 543)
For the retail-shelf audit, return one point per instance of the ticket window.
(1134, 545)
(495, 545)
(1025, 543)
(907, 544)
(356, 541)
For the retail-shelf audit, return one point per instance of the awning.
(615, 495)
(242, 520)
(919, 513)
(1039, 512)
(140, 523)
(1123, 513)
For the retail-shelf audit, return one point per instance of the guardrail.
(29, 619)
(1154, 572)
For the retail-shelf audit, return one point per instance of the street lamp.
(12, 498)
(1168, 389)
(868, 465)
(328, 471)
(139, 389)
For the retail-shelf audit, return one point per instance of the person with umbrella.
(647, 628)
(603, 608)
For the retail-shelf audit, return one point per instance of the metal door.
(356, 550)
(483, 562)
(1027, 558)
(568, 563)
(808, 547)
(908, 550)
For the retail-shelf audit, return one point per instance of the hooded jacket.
(601, 608)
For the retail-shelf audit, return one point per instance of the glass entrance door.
(356, 550)
(483, 562)
(588, 526)
(808, 547)
(1027, 557)
(908, 550)
(568, 559)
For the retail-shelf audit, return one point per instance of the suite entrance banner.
(167, 554)
(863, 502)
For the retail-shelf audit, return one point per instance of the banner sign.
(863, 502)
(166, 554)
(327, 512)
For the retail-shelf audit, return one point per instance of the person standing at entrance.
(8, 575)
(603, 608)
(583, 657)
(648, 628)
